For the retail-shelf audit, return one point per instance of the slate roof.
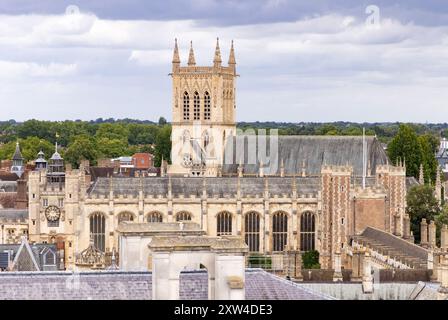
(116, 285)
(8, 176)
(425, 291)
(17, 154)
(313, 151)
(37, 250)
(14, 214)
(194, 186)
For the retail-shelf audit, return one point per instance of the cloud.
(297, 68)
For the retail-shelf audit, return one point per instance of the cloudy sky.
(320, 60)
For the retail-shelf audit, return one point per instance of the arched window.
(154, 217)
(98, 230)
(49, 258)
(125, 216)
(279, 231)
(186, 106)
(183, 216)
(252, 231)
(224, 224)
(206, 139)
(196, 107)
(207, 107)
(307, 231)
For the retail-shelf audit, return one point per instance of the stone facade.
(308, 196)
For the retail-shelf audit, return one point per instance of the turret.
(17, 161)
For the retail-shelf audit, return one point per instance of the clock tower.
(203, 106)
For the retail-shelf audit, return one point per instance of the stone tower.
(203, 113)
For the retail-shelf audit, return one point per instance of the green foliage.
(30, 147)
(310, 260)
(406, 146)
(83, 147)
(421, 204)
(260, 261)
(416, 150)
(163, 146)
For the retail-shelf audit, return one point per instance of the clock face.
(52, 213)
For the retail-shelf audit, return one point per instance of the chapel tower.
(203, 113)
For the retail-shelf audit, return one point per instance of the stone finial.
(443, 273)
(191, 59)
(421, 175)
(170, 187)
(432, 234)
(337, 276)
(406, 227)
(444, 238)
(260, 170)
(232, 60)
(438, 187)
(424, 233)
(176, 58)
(282, 168)
(217, 61)
(303, 169)
(266, 187)
(367, 279)
(240, 170)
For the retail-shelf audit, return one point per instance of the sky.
(298, 60)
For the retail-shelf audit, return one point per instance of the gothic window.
(206, 139)
(252, 231)
(279, 231)
(183, 216)
(154, 217)
(307, 231)
(207, 106)
(186, 106)
(196, 107)
(49, 258)
(224, 224)
(125, 216)
(98, 230)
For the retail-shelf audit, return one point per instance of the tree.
(82, 148)
(406, 145)
(429, 145)
(310, 260)
(421, 203)
(112, 148)
(112, 131)
(163, 146)
(162, 121)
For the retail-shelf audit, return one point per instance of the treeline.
(109, 138)
(86, 140)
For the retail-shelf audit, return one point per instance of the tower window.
(279, 231)
(196, 107)
(186, 106)
(207, 106)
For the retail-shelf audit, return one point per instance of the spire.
(191, 60)
(176, 58)
(232, 60)
(17, 154)
(217, 60)
(421, 177)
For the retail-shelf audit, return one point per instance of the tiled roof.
(215, 186)
(116, 285)
(313, 151)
